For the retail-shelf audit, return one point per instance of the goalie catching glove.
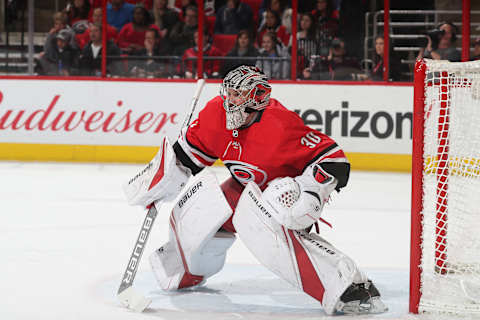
(297, 203)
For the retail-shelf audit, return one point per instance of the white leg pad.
(195, 249)
(211, 259)
(167, 266)
(306, 261)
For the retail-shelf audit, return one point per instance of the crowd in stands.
(159, 38)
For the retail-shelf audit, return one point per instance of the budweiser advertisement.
(91, 112)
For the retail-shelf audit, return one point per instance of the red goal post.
(445, 221)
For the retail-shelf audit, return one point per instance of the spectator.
(270, 58)
(181, 36)
(244, 48)
(263, 7)
(79, 13)
(233, 17)
(84, 38)
(91, 55)
(155, 46)
(441, 44)
(395, 69)
(132, 35)
(211, 67)
(63, 59)
(209, 6)
(181, 7)
(325, 8)
(337, 66)
(307, 45)
(60, 22)
(327, 25)
(164, 18)
(119, 13)
(50, 46)
(147, 4)
(272, 24)
(476, 50)
(282, 10)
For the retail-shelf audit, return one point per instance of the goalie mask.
(244, 90)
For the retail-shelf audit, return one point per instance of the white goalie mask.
(244, 90)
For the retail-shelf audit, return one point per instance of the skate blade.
(372, 306)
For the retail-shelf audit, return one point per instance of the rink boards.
(122, 121)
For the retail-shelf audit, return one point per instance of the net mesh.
(450, 278)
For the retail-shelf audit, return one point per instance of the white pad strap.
(161, 179)
(304, 260)
(195, 246)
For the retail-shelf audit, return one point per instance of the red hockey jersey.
(277, 144)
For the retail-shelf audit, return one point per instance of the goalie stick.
(126, 294)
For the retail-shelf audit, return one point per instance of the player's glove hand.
(298, 202)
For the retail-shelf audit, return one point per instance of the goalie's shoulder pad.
(162, 179)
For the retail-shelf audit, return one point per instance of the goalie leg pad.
(162, 179)
(305, 260)
(167, 267)
(169, 270)
(195, 250)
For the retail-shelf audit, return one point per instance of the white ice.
(66, 234)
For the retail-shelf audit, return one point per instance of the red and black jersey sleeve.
(196, 146)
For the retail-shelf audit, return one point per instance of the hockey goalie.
(282, 174)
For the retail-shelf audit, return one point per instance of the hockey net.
(445, 241)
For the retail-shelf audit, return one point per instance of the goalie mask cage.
(445, 234)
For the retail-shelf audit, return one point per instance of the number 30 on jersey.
(310, 140)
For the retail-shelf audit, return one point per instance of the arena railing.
(174, 67)
(374, 25)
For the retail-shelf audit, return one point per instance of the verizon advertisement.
(362, 118)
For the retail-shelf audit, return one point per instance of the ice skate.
(362, 298)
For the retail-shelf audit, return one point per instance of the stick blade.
(133, 300)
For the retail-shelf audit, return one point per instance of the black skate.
(361, 298)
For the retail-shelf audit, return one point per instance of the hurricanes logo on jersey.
(245, 172)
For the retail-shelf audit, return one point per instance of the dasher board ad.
(91, 112)
(361, 118)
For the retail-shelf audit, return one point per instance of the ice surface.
(66, 234)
